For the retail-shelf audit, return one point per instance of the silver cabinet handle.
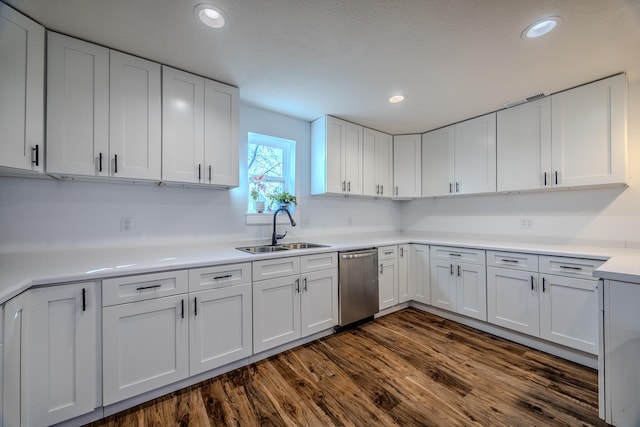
(458, 255)
(388, 253)
(304, 281)
(142, 288)
(381, 189)
(298, 285)
(344, 185)
(349, 187)
(457, 187)
(397, 190)
(378, 189)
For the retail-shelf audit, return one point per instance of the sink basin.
(262, 249)
(278, 248)
(302, 245)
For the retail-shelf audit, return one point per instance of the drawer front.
(474, 256)
(270, 268)
(515, 260)
(572, 267)
(219, 276)
(318, 262)
(387, 252)
(143, 287)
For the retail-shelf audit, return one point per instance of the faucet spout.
(275, 236)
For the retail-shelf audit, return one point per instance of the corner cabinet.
(378, 164)
(407, 169)
(337, 157)
(22, 49)
(199, 130)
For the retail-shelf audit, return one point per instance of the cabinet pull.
(457, 187)
(397, 190)
(458, 270)
(388, 253)
(458, 255)
(226, 276)
(209, 174)
(344, 185)
(199, 172)
(451, 269)
(556, 177)
(543, 285)
(567, 267)
(304, 280)
(35, 155)
(401, 252)
(381, 268)
(381, 189)
(182, 308)
(100, 163)
(298, 285)
(450, 188)
(545, 179)
(531, 282)
(142, 288)
(115, 163)
(378, 189)
(84, 299)
(195, 306)
(349, 187)
(515, 261)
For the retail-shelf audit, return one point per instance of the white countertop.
(21, 270)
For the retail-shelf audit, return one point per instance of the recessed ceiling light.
(210, 15)
(541, 27)
(396, 98)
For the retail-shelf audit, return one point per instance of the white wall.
(44, 213)
(603, 216)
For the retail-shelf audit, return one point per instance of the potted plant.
(282, 199)
(257, 187)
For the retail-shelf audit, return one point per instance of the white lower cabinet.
(419, 283)
(302, 301)
(458, 281)
(51, 355)
(388, 276)
(513, 299)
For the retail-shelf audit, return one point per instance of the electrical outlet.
(526, 223)
(126, 224)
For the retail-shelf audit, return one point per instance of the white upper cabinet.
(524, 146)
(407, 167)
(378, 164)
(221, 112)
(199, 130)
(21, 91)
(77, 107)
(337, 157)
(437, 162)
(588, 132)
(475, 155)
(135, 117)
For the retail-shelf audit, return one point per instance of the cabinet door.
(334, 134)
(388, 283)
(437, 162)
(220, 327)
(319, 301)
(378, 164)
(524, 146)
(16, 348)
(569, 312)
(512, 300)
(221, 134)
(62, 356)
(21, 91)
(407, 167)
(471, 289)
(353, 158)
(589, 133)
(276, 312)
(145, 346)
(182, 126)
(443, 284)
(404, 261)
(135, 120)
(419, 283)
(77, 107)
(475, 155)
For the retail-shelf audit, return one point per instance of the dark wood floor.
(408, 368)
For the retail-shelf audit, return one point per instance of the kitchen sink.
(278, 248)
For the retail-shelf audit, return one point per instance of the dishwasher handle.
(359, 254)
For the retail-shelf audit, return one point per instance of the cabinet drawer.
(318, 262)
(573, 267)
(475, 256)
(387, 252)
(219, 276)
(279, 267)
(143, 287)
(515, 260)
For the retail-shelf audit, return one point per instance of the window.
(271, 169)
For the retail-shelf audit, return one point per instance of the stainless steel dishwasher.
(358, 285)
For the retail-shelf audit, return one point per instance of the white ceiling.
(452, 59)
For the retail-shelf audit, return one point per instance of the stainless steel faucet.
(275, 236)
